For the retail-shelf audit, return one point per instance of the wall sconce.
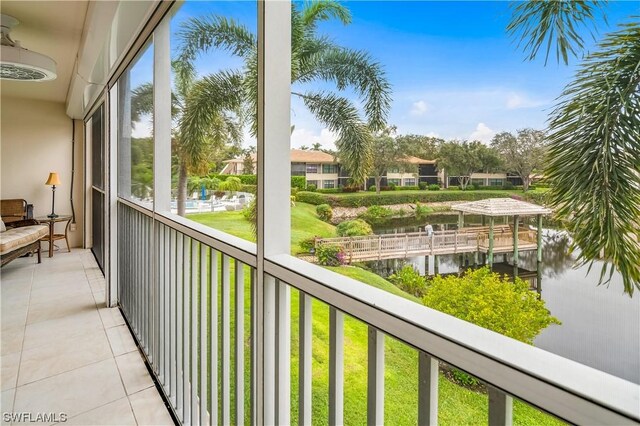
(53, 180)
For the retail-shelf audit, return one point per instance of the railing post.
(500, 408)
(428, 375)
(305, 356)
(336, 367)
(375, 378)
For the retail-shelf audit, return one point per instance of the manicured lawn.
(304, 224)
(457, 405)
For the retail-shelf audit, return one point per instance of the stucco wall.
(35, 139)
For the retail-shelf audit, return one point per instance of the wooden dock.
(413, 244)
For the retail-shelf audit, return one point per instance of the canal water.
(600, 324)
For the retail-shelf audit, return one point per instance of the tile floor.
(64, 351)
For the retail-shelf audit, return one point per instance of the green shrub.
(308, 244)
(434, 187)
(376, 214)
(392, 186)
(330, 255)
(324, 212)
(232, 183)
(311, 197)
(410, 280)
(353, 228)
(249, 188)
(491, 301)
(507, 185)
(329, 190)
(422, 211)
(422, 185)
(250, 214)
(372, 188)
(365, 199)
(350, 188)
(299, 182)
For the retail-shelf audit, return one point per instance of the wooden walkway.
(413, 244)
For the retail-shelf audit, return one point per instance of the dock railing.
(222, 354)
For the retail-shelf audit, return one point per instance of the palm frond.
(544, 23)
(207, 102)
(594, 156)
(185, 73)
(324, 10)
(354, 141)
(141, 101)
(201, 34)
(350, 68)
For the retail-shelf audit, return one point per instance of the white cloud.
(419, 108)
(482, 133)
(517, 100)
(302, 136)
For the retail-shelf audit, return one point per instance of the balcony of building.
(166, 320)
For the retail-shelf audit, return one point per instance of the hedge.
(366, 199)
(299, 182)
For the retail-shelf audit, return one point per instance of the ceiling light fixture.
(18, 63)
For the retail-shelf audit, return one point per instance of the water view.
(600, 324)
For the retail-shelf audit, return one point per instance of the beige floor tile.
(121, 340)
(133, 372)
(73, 392)
(100, 298)
(11, 340)
(56, 277)
(149, 408)
(14, 312)
(6, 403)
(9, 366)
(59, 293)
(111, 317)
(117, 413)
(56, 330)
(55, 310)
(48, 360)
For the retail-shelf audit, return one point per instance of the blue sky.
(454, 71)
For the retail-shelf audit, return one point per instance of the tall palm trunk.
(182, 188)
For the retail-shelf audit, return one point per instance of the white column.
(273, 172)
(162, 117)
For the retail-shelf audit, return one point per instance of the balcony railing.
(222, 355)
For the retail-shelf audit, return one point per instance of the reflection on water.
(600, 324)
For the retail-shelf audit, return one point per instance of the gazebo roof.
(501, 207)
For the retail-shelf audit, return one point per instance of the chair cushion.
(15, 238)
(2, 227)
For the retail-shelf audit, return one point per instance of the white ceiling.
(53, 28)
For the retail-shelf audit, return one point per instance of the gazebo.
(503, 207)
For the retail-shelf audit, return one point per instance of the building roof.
(415, 160)
(501, 207)
(299, 156)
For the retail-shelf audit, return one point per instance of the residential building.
(118, 330)
(325, 171)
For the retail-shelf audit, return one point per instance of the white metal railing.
(196, 345)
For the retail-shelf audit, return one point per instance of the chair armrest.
(21, 223)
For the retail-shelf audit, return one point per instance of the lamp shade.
(54, 179)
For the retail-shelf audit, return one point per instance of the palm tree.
(207, 110)
(314, 58)
(594, 133)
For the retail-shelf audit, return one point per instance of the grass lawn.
(457, 405)
(304, 224)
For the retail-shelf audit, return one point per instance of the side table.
(51, 221)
